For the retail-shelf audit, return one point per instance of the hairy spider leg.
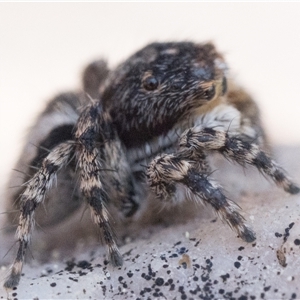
(33, 195)
(237, 149)
(166, 171)
(90, 127)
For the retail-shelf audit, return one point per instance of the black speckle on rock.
(266, 288)
(156, 294)
(163, 257)
(241, 248)
(197, 243)
(287, 231)
(150, 271)
(297, 242)
(209, 265)
(120, 278)
(225, 277)
(239, 257)
(73, 279)
(104, 288)
(147, 277)
(183, 295)
(221, 291)
(159, 281)
(294, 296)
(195, 291)
(83, 264)
(291, 225)
(70, 265)
(173, 255)
(184, 265)
(195, 278)
(129, 274)
(237, 264)
(229, 294)
(53, 284)
(182, 250)
(278, 234)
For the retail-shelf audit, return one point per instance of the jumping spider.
(155, 120)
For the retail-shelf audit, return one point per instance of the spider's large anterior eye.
(150, 83)
(209, 93)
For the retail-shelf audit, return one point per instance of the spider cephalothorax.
(147, 133)
(169, 80)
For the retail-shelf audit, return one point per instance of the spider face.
(170, 80)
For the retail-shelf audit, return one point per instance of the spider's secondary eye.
(209, 93)
(150, 83)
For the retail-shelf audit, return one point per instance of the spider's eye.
(209, 93)
(150, 83)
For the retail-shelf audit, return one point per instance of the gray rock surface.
(190, 255)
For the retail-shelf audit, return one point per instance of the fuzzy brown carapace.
(147, 133)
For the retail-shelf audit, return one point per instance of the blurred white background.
(44, 46)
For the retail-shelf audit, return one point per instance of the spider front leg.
(89, 126)
(33, 195)
(237, 149)
(104, 172)
(165, 174)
